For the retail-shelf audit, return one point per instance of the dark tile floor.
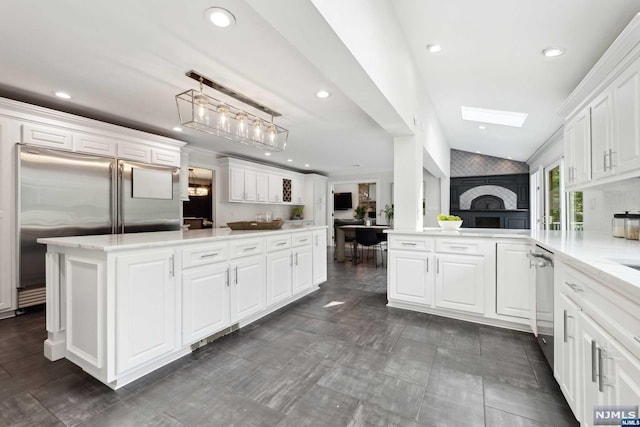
(355, 364)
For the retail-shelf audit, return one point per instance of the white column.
(407, 183)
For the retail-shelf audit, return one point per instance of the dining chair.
(367, 237)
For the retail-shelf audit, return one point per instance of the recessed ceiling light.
(357, 165)
(509, 157)
(434, 48)
(63, 95)
(306, 165)
(477, 152)
(289, 160)
(220, 17)
(177, 129)
(495, 117)
(481, 127)
(553, 51)
(323, 94)
(267, 153)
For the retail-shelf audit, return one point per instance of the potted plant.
(297, 212)
(388, 214)
(358, 213)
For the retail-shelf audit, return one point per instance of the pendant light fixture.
(205, 113)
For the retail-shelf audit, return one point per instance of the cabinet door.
(47, 136)
(297, 191)
(248, 290)
(512, 283)
(411, 276)
(626, 120)
(319, 214)
(302, 269)
(145, 308)
(205, 301)
(236, 184)
(319, 257)
(569, 153)
(601, 136)
(460, 282)
(624, 381)
(279, 276)
(593, 353)
(567, 351)
(250, 186)
(275, 189)
(582, 151)
(262, 187)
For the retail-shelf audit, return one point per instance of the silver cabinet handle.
(408, 244)
(281, 243)
(303, 241)
(209, 255)
(574, 287)
(228, 277)
(458, 247)
(594, 354)
(605, 160)
(427, 264)
(291, 259)
(566, 316)
(611, 153)
(236, 274)
(437, 265)
(637, 338)
(600, 371)
(171, 267)
(250, 249)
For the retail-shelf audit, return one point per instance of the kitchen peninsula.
(121, 306)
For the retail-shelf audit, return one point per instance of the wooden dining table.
(350, 230)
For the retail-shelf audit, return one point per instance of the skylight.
(496, 117)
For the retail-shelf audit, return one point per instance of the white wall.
(600, 205)
(432, 199)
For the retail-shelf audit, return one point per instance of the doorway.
(197, 211)
(554, 202)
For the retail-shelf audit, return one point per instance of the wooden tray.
(254, 225)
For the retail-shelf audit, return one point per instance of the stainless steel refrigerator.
(69, 194)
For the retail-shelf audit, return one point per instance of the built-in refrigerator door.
(59, 194)
(149, 198)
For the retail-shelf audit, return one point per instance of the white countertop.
(597, 254)
(111, 242)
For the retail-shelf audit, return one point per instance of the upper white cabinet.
(275, 188)
(297, 191)
(577, 142)
(47, 136)
(262, 187)
(625, 155)
(602, 141)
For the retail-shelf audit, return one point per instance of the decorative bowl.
(450, 225)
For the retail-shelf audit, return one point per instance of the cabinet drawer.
(204, 254)
(47, 136)
(165, 157)
(300, 239)
(410, 243)
(94, 145)
(458, 246)
(242, 248)
(277, 243)
(138, 152)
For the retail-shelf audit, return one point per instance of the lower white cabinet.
(279, 276)
(302, 269)
(512, 284)
(460, 282)
(411, 276)
(570, 343)
(248, 287)
(593, 349)
(205, 301)
(319, 257)
(146, 320)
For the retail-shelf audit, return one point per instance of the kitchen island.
(121, 306)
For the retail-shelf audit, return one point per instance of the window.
(574, 211)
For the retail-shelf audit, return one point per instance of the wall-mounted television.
(342, 201)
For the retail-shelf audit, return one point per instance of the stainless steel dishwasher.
(543, 261)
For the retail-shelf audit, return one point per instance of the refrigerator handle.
(121, 197)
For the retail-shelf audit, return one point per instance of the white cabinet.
(262, 187)
(205, 301)
(250, 186)
(512, 287)
(593, 351)
(577, 143)
(135, 152)
(460, 281)
(242, 185)
(625, 156)
(94, 144)
(602, 149)
(319, 257)
(302, 269)
(570, 342)
(411, 276)
(7, 207)
(164, 157)
(47, 136)
(248, 288)
(279, 276)
(146, 308)
(624, 376)
(275, 188)
(297, 191)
